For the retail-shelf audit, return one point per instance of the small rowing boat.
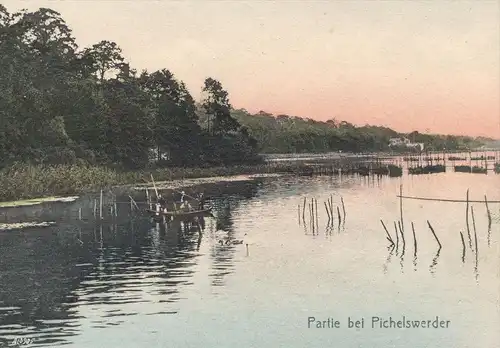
(181, 213)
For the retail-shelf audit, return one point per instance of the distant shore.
(24, 182)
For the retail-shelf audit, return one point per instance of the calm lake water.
(139, 284)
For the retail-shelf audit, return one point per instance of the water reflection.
(80, 279)
(222, 254)
(388, 259)
(432, 267)
(55, 279)
(37, 280)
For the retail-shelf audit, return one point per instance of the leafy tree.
(129, 135)
(216, 104)
(104, 58)
(176, 129)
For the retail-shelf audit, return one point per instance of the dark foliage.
(63, 105)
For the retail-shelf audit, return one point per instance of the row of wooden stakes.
(399, 229)
(313, 213)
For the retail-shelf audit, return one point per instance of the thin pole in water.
(100, 207)
(154, 185)
(487, 211)
(434, 233)
(327, 213)
(467, 219)
(397, 236)
(463, 246)
(304, 210)
(338, 214)
(387, 232)
(402, 234)
(475, 233)
(343, 207)
(401, 206)
(316, 211)
(414, 239)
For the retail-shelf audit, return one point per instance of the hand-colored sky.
(411, 65)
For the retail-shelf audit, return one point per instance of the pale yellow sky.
(410, 65)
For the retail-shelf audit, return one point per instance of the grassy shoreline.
(25, 182)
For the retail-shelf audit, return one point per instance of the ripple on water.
(144, 275)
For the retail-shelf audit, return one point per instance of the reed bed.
(23, 181)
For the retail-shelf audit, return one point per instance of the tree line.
(287, 134)
(61, 104)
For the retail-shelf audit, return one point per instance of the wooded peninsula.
(74, 118)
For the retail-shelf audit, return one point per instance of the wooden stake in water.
(132, 201)
(467, 219)
(402, 234)
(329, 206)
(463, 246)
(338, 214)
(401, 206)
(327, 213)
(79, 213)
(95, 207)
(343, 207)
(475, 233)
(100, 207)
(487, 211)
(154, 185)
(397, 236)
(414, 239)
(313, 223)
(316, 211)
(434, 233)
(304, 210)
(389, 238)
(312, 215)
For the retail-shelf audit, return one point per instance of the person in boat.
(201, 201)
(184, 203)
(162, 202)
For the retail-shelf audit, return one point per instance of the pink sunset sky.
(410, 65)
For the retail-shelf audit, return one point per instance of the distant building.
(405, 142)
